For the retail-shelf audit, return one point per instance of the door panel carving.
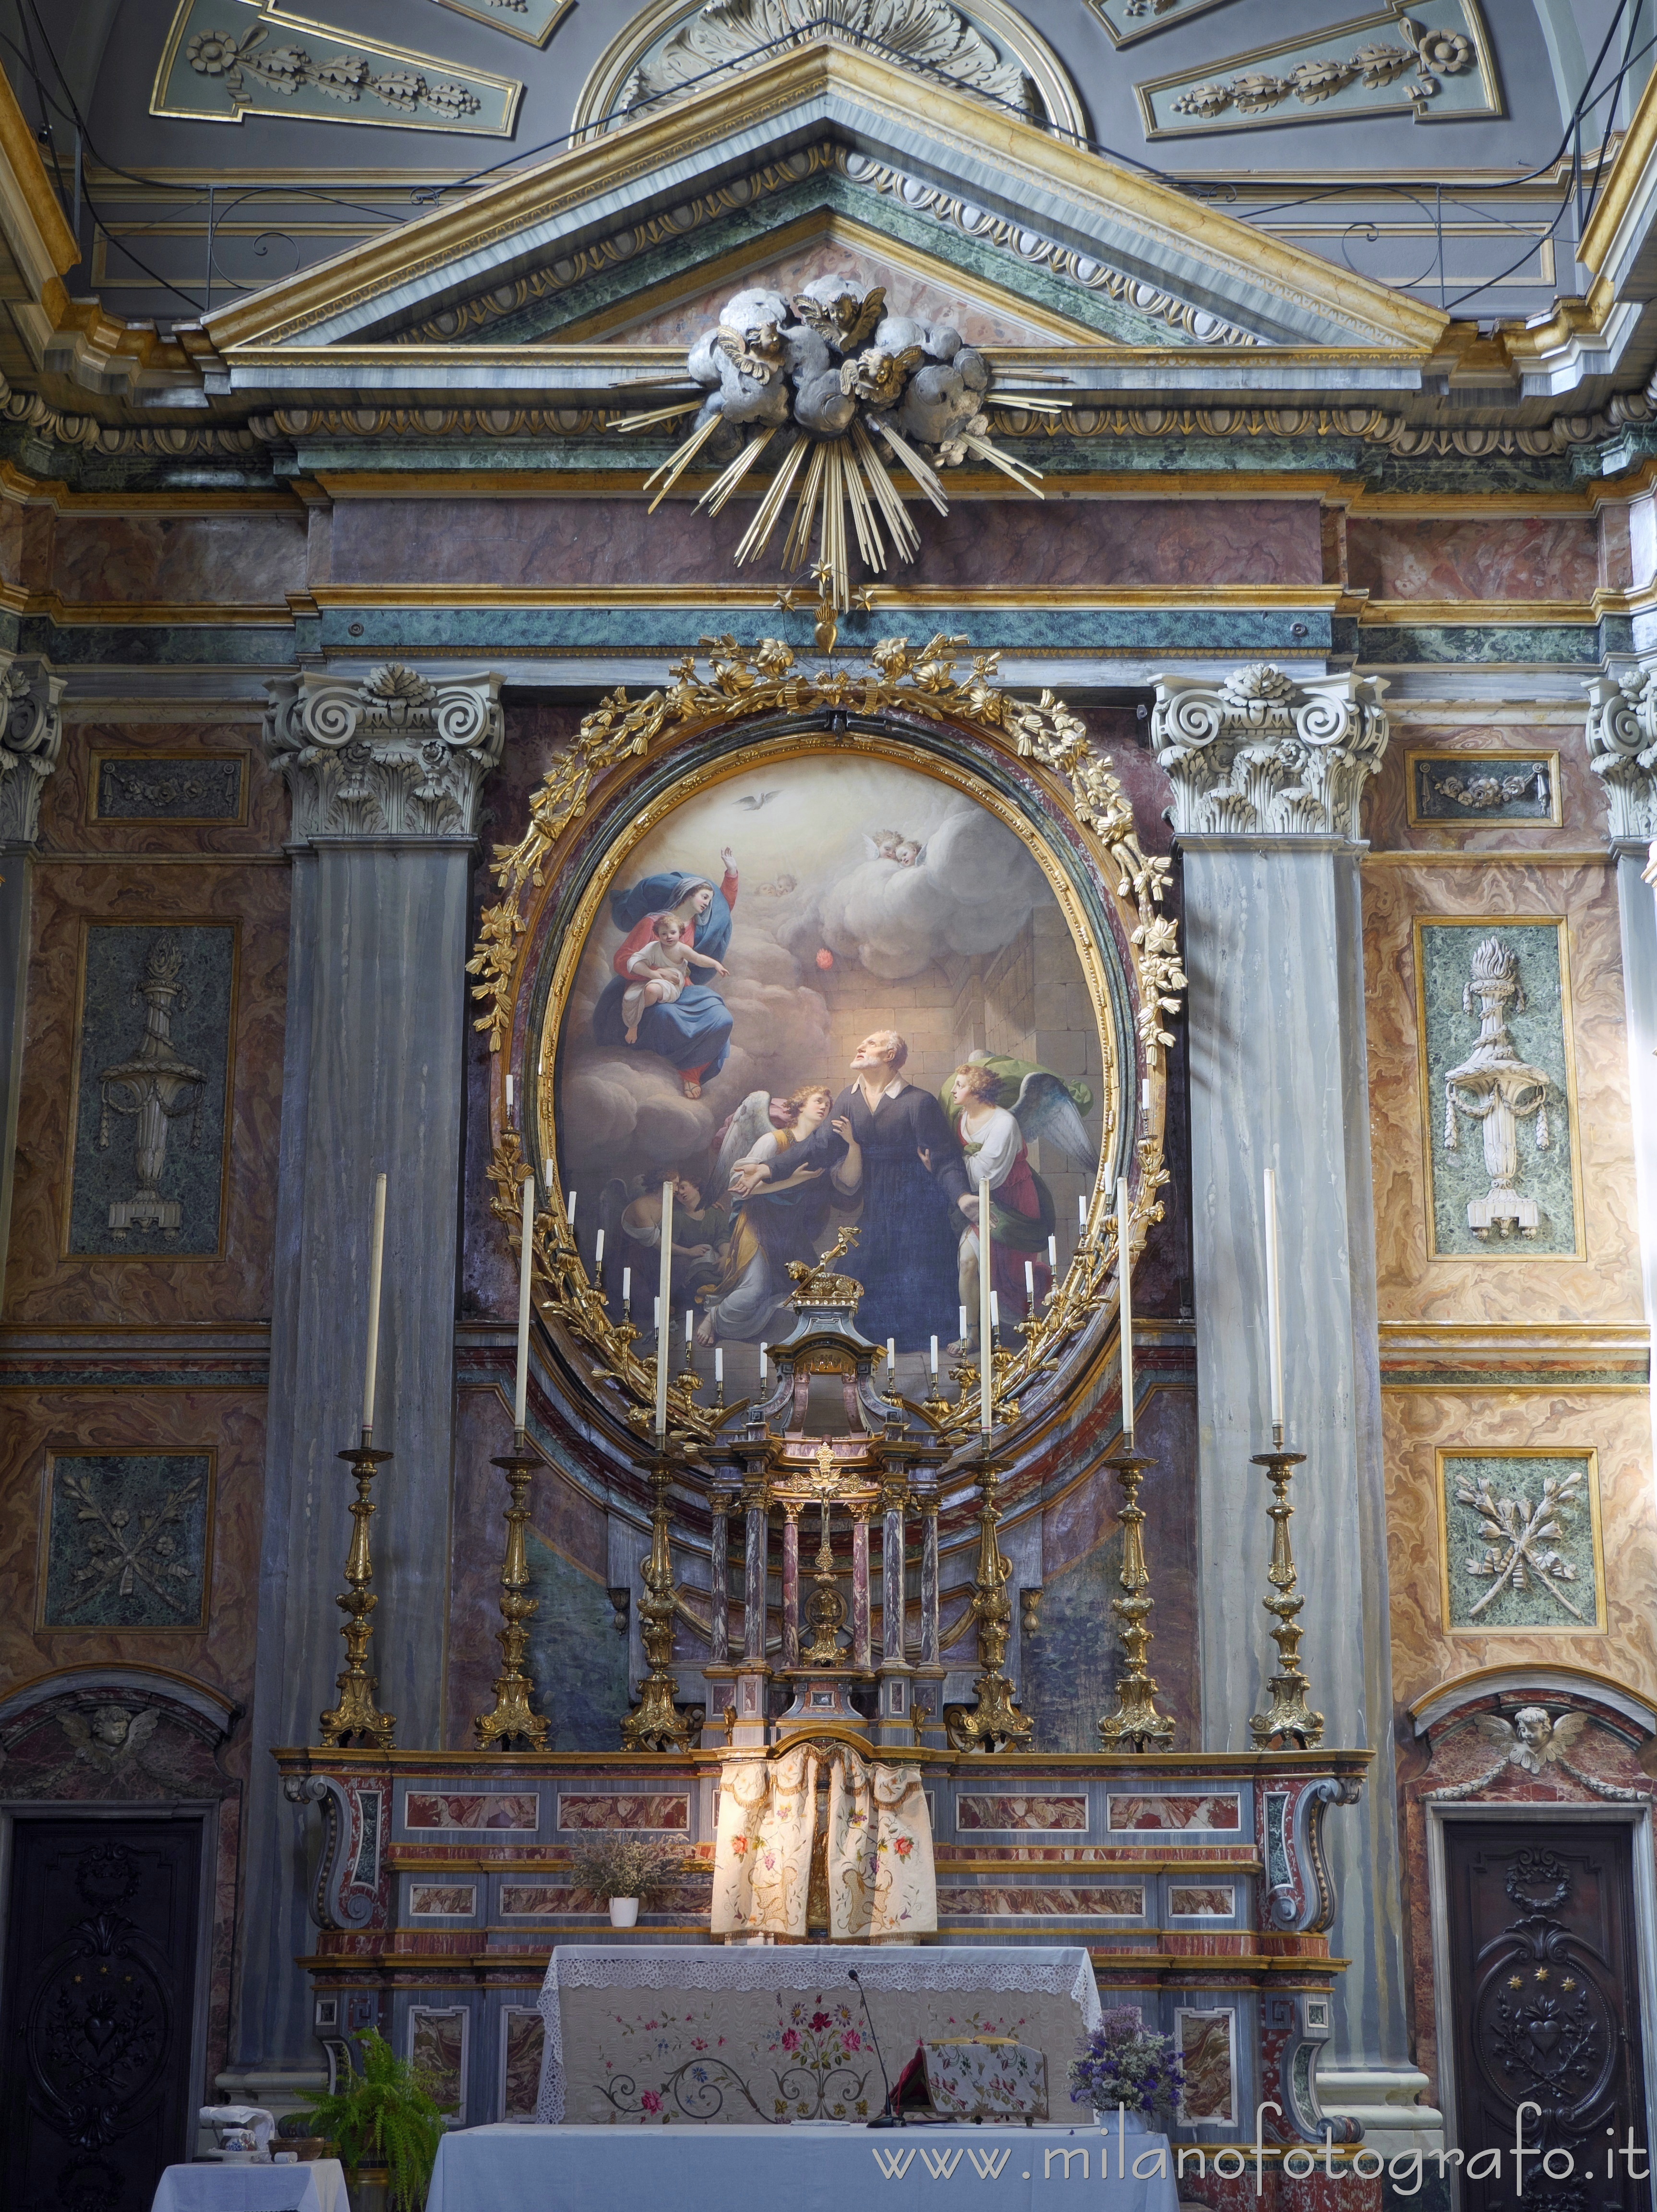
(1544, 1982)
(100, 1968)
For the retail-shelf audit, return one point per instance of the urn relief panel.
(1498, 1089)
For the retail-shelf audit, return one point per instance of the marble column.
(791, 1513)
(1267, 772)
(1621, 740)
(31, 739)
(385, 777)
(862, 1655)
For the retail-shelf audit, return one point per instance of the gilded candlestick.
(356, 1716)
(994, 1724)
(1136, 1724)
(514, 1719)
(655, 1722)
(1288, 1718)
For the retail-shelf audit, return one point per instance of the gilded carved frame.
(903, 703)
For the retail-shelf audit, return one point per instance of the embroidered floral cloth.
(770, 2035)
(876, 1860)
(1002, 2081)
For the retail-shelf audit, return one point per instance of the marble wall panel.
(198, 757)
(1469, 1212)
(1615, 547)
(1517, 556)
(153, 1040)
(1579, 796)
(127, 1539)
(522, 2034)
(232, 1281)
(1616, 1426)
(1605, 1283)
(594, 544)
(224, 1427)
(1520, 1539)
(26, 535)
(168, 559)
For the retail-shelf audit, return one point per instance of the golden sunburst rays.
(830, 478)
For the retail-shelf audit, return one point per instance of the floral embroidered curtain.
(875, 1848)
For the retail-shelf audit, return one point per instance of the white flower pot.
(624, 1911)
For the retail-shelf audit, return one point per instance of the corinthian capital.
(1265, 753)
(1621, 736)
(31, 739)
(398, 755)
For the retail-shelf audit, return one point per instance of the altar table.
(807, 2167)
(213, 2185)
(759, 2035)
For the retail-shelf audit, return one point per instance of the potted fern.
(626, 1871)
(386, 2126)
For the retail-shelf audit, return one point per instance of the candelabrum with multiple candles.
(993, 1723)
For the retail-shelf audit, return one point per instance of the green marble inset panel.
(578, 1662)
(1521, 1542)
(150, 1122)
(1520, 1068)
(1480, 788)
(138, 788)
(128, 1538)
(226, 58)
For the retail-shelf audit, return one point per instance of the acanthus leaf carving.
(1266, 752)
(31, 741)
(1622, 734)
(398, 755)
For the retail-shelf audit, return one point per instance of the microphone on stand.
(888, 2116)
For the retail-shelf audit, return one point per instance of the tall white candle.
(1053, 1253)
(509, 1094)
(934, 1358)
(664, 1307)
(526, 1273)
(1029, 1286)
(569, 1211)
(891, 1355)
(719, 1365)
(598, 1253)
(995, 1309)
(1082, 1208)
(655, 1315)
(986, 1322)
(689, 1331)
(376, 1260)
(1273, 1316)
(626, 1294)
(761, 1359)
(1124, 1293)
(963, 1337)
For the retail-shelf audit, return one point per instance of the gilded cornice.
(1621, 184)
(1032, 167)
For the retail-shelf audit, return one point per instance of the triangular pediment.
(606, 252)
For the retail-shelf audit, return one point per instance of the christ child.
(659, 971)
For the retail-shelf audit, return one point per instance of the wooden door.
(96, 2017)
(1545, 1981)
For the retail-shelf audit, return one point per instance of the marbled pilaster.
(1267, 775)
(385, 798)
(31, 739)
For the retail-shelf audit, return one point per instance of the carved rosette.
(1265, 753)
(31, 740)
(398, 755)
(1622, 734)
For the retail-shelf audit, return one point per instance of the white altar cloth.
(757, 2034)
(808, 2168)
(314, 2185)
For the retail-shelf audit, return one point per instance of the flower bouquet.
(625, 1870)
(1124, 2063)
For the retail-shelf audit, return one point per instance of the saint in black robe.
(910, 1229)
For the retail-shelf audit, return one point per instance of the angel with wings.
(995, 1106)
(776, 1220)
(1532, 1740)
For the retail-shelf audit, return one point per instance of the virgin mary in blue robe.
(693, 1031)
